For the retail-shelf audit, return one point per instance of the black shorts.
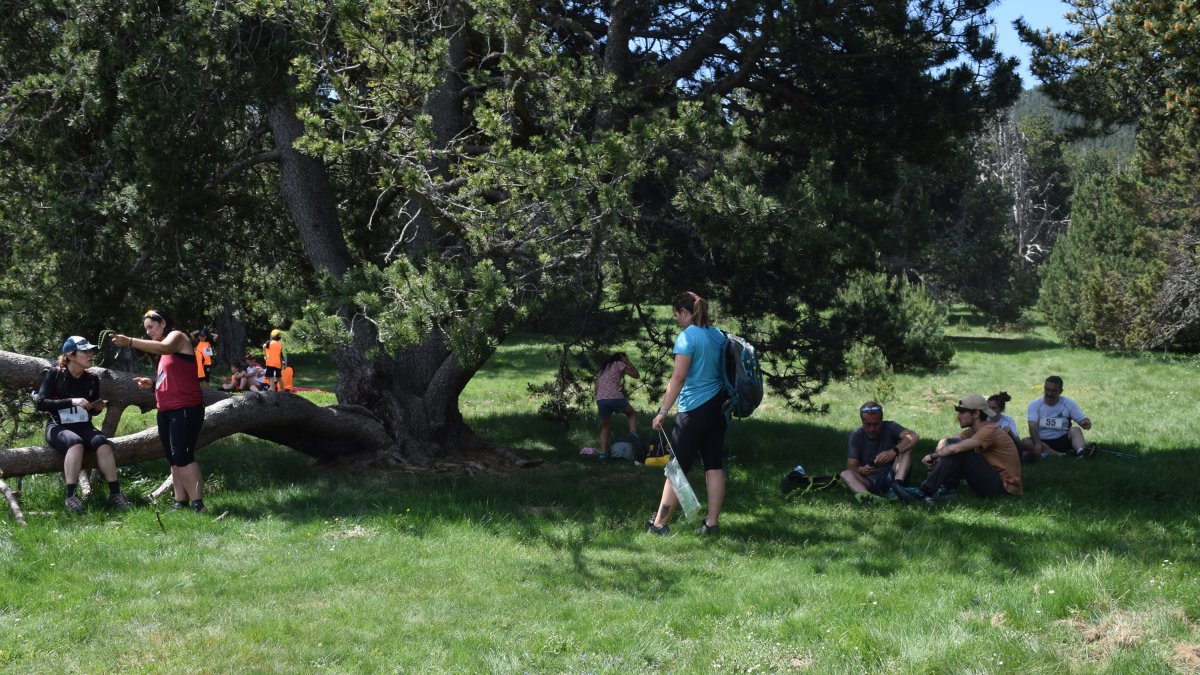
(272, 372)
(701, 432)
(1060, 444)
(63, 437)
(179, 430)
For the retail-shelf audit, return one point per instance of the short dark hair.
(1054, 379)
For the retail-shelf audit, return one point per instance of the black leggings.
(62, 437)
(179, 430)
(969, 466)
(701, 432)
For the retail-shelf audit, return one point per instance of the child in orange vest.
(273, 353)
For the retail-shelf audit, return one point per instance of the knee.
(104, 452)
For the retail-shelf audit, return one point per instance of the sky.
(1038, 14)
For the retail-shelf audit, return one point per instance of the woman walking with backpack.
(698, 385)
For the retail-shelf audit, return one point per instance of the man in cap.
(877, 454)
(984, 455)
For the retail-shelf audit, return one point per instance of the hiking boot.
(706, 529)
(1088, 450)
(179, 506)
(199, 508)
(118, 501)
(74, 504)
(942, 495)
(909, 495)
(657, 531)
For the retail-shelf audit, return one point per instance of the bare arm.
(630, 369)
(175, 343)
(1034, 434)
(683, 362)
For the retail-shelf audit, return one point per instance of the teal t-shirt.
(704, 379)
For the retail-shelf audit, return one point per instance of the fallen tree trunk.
(326, 433)
(13, 504)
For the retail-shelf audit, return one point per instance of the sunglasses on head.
(870, 409)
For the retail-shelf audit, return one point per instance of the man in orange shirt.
(273, 353)
(985, 456)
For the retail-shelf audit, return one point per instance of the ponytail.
(1000, 399)
(698, 306)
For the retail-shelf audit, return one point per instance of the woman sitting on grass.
(610, 397)
(996, 403)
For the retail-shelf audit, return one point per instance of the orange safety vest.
(273, 351)
(203, 356)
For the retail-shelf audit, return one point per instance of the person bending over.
(611, 398)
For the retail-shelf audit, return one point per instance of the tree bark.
(231, 339)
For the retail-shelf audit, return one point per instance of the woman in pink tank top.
(179, 401)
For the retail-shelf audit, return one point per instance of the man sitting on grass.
(877, 455)
(982, 454)
(1050, 429)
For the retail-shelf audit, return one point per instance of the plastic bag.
(683, 489)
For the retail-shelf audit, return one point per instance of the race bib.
(208, 351)
(72, 415)
(1056, 423)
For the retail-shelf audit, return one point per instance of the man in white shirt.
(1056, 426)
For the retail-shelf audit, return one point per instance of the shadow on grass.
(592, 513)
(1001, 346)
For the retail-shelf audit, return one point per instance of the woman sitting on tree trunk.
(70, 395)
(179, 401)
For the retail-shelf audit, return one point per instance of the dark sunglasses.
(870, 409)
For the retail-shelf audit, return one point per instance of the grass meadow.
(1095, 569)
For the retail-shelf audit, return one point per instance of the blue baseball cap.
(76, 343)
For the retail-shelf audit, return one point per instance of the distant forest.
(1034, 102)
